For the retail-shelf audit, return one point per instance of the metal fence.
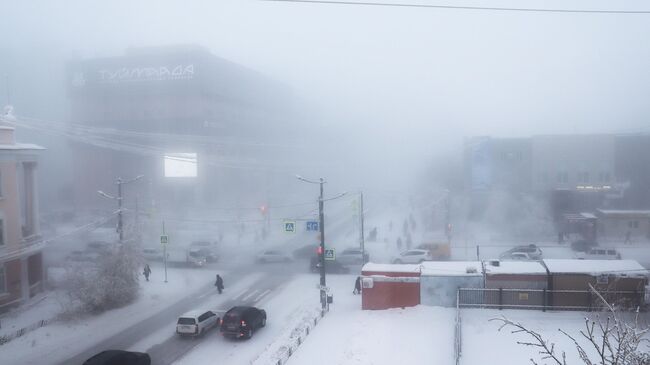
(18, 333)
(542, 299)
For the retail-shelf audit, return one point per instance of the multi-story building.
(159, 105)
(21, 259)
(573, 173)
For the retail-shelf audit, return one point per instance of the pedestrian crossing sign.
(290, 226)
(164, 239)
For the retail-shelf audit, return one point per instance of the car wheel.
(263, 322)
(249, 333)
(398, 261)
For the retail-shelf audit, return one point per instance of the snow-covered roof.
(620, 212)
(410, 268)
(192, 314)
(452, 268)
(515, 267)
(20, 146)
(588, 215)
(595, 267)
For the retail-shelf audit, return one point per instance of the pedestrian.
(219, 283)
(409, 241)
(147, 271)
(627, 237)
(399, 243)
(357, 286)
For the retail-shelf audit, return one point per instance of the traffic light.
(319, 250)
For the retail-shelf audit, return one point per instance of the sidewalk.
(62, 339)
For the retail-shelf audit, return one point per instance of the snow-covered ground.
(348, 335)
(63, 339)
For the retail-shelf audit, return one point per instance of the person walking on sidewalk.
(147, 271)
(357, 286)
(219, 284)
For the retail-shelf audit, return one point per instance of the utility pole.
(321, 217)
(120, 230)
(119, 198)
(362, 237)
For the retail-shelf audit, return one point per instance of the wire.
(456, 7)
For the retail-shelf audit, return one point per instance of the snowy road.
(155, 334)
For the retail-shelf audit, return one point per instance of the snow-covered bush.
(112, 283)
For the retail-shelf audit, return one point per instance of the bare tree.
(605, 340)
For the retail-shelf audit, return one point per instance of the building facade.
(21, 258)
(140, 112)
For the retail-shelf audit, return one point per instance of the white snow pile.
(279, 351)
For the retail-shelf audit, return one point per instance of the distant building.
(623, 225)
(159, 105)
(574, 173)
(21, 258)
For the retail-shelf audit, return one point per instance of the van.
(438, 250)
(196, 323)
(600, 253)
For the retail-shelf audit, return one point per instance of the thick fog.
(383, 96)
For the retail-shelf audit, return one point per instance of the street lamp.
(321, 217)
(119, 183)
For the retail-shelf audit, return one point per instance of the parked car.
(438, 250)
(599, 253)
(331, 267)
(352, 256)
(532, 251)
(208, 249)
(415, 256)
(83, 256)
(196, 323)
(242, 321)
(99, 246)
(305, 251)
(152, 254)
(516, 256)
(119, 357)
(272, 256)
(185, 257)
(583, 245)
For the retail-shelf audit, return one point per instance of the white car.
(599, 253)
(413, 257)
(196, 323)
(272, 256)
(352, 256)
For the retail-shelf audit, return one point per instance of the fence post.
(590, 298)
(500, 298)
(544, 303)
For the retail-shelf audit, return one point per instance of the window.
(602, 279)
(563, 177)
(633, 224)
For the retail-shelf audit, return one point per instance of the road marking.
(238, 296)
(249, 295)
(259, 297)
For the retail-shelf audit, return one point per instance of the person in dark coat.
(219, 283)
(357, 286)
(147, 271)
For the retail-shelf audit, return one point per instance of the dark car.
(242, 321)
(331, 267)
(119, 357)
(305, 251)
(583, 245)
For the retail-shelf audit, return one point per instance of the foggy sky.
(407, 83)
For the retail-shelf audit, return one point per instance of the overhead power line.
(457, 7)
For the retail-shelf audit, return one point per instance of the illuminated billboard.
(181, 164)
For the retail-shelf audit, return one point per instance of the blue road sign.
(312, 226)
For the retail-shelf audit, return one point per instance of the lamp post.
(321, 225)
(119, 183)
